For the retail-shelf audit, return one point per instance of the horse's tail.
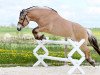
(93, 41)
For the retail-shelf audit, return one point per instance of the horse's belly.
(62, 30)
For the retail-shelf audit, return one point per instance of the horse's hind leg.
(87, 55)
(37, 35)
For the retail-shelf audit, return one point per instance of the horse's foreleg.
(87, 55)
(36, 33)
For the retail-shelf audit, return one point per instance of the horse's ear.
(23, 10)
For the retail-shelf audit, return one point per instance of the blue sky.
(85, 12)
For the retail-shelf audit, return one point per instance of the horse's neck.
(40, 19)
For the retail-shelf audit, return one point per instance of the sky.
(84, 12)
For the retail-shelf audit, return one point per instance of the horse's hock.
(76, 47)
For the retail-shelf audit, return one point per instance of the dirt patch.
(61, 70)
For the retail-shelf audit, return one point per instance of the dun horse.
(50, 21)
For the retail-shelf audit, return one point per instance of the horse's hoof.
(92, 63)
(42, 37)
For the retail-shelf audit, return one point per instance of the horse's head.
(23, 20)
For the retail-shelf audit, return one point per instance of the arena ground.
(51, 70)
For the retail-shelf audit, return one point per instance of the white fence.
(76, 47)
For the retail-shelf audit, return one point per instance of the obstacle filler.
(76, 47)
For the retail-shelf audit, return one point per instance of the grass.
(96, 32)
(19, 51)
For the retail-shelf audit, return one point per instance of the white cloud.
(93, 2)
(93, 10)
(37, 2)
(68, 15)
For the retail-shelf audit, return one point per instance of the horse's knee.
(37, 35)
(34, 31)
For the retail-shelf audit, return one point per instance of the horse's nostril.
(19, 29)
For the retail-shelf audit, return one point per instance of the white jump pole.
(76, 45)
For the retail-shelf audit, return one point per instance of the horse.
(51, 22)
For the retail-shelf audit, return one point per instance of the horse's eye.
(21, 19)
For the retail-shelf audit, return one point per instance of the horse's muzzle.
(19, 29)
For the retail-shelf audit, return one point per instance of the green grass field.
(18, 51)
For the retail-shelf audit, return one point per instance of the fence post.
(65, 51)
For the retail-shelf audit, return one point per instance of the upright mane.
(41, 7)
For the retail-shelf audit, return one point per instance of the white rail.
(76, 47)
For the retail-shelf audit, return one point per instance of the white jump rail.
(76, 47)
